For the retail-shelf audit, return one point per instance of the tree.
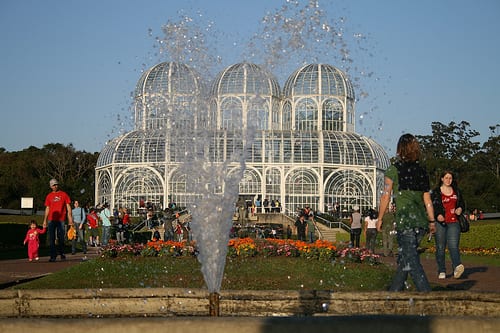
(27, 173)
(449, 147)
(485, 172)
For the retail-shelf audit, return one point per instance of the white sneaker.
(442, 276)
(459, 270)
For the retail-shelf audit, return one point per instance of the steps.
(329, 234)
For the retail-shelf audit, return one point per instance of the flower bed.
(247, 247)
(478, 251)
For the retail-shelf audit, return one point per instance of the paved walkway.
(19, 270)
(478, 278)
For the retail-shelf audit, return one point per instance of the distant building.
(305, 150)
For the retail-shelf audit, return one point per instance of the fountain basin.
(179, 302)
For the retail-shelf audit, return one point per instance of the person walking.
(310, 228)
(79, 221)
(288, 232)
(370, 230)
(105, 215)
(355, 220)
(301, 226)
(407, 180)
(122, 227)
(33, 240)
(448, 204)
(57, 208)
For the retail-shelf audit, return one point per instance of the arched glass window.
(136, 184)
(177, 189)
(250, 184)
(301, 188)
(332, 115)
(306, 115)
(104, 186)
(276, 114)
(349, 188)
(231, 110)
(287, 116)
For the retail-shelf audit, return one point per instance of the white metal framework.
(303, 151)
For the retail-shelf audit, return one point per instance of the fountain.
(293, 35)
(215, 189)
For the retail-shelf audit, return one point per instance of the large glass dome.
(165, 92)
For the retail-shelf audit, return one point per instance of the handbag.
(71, 233)
(464, 223)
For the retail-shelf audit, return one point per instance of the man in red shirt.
(57, 207)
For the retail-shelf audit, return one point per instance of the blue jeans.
(448, 235)
(409, 261)
(56, 228)
(106, 233)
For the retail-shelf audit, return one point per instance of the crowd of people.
(64, 223)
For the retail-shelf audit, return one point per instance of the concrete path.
(19, 270)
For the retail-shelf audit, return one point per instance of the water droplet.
(325, 307)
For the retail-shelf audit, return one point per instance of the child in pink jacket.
(33, 240)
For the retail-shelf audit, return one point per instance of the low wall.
(170, 302)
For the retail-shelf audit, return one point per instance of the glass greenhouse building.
(298, 143)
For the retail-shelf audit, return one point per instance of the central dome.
(244, 93)
(245, 78)
(319, 79)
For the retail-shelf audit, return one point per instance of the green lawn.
(257, 273)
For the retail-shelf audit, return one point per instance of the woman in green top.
(408, 182)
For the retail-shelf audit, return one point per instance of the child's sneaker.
(459, 270)
(37, 258)
(442, 276)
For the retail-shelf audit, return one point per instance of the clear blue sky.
(68, 67)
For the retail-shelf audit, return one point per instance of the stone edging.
(165, 302)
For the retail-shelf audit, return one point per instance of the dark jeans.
(409, 261)
(301, 234)
(355, 235)
(56, 228)
(371, 239)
